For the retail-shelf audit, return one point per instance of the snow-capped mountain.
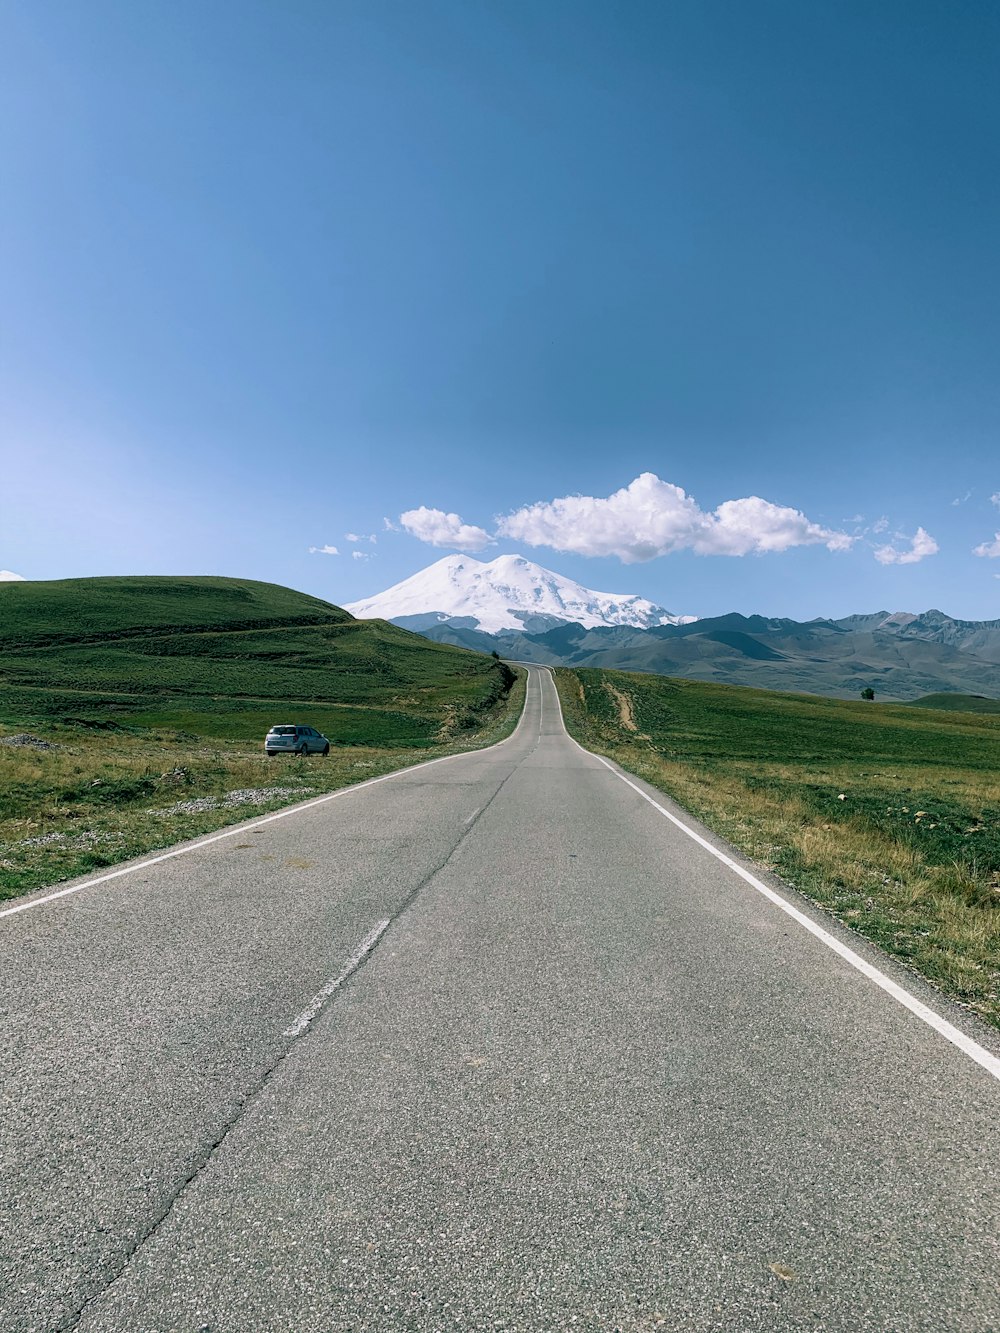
(509, 593)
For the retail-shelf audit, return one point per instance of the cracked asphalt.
(587, 1078)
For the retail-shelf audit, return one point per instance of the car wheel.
(326, 750)
(303, 752)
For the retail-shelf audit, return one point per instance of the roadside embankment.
(886, 816)
(133, 711)
(89, 800)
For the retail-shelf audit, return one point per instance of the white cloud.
(650, 518)
(360, 555)
(961, 499)
(352, 537)
(995, 499)
(323, 550)
(989, 549)
(389, 526)
(437, 528)
(356, 537)
(921, 545)
(882, 525)
(8, 576)
(757, 525)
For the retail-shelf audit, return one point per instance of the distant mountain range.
(524, 612)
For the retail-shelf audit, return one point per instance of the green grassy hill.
(133, 711)
(887, 815)
(227, 658)
(74, 610)
(958, 703)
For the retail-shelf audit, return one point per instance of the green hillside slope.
(958, 703)
(133, 710)
(68, 610)
(227, 658)
(886, 815)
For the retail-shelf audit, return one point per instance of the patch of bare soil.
(623, 703)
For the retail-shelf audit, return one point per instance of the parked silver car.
(295, 740)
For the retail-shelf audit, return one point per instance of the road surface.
(492, 1044)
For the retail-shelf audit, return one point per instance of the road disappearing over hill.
(489, 1044)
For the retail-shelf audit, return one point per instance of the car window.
(283, 731)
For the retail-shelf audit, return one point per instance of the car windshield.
(282, 731)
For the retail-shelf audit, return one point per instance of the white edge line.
(966, 1044)
(317, 1002)
(243, 828)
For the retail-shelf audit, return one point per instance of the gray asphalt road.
(587, 1078)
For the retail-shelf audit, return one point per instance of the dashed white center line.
(320, 998)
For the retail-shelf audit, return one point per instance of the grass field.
(886, 815)
(152, 696)
(958, 703)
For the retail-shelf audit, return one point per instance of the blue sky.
(275, 273)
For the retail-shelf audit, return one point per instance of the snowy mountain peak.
(898, 620)
(508, 593)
